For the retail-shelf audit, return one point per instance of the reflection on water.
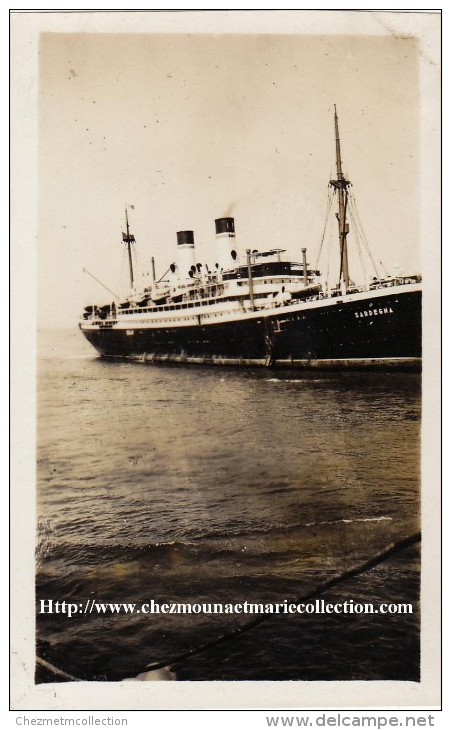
(216, 484)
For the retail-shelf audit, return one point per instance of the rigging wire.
(122, 273)
(136, 268)
(357, 570)
(359, 247)
(364, 239)
(330, 242)
(328, 210)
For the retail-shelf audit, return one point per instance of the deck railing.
(261, 302)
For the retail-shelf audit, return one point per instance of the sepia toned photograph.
(231, 351)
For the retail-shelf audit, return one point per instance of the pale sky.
(190, 127)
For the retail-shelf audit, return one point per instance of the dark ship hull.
(264, 311)
(381, 329)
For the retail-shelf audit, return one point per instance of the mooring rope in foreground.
(352, 573)
(381, 557)
(55, 670)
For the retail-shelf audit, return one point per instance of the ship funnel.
(225, 242)
(185, 253)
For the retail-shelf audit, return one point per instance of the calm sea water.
(197, 484)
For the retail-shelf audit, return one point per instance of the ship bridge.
(268, 268)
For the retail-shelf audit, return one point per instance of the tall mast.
(129, 239)
(341, 184)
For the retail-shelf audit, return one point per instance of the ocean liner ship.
(262, 310)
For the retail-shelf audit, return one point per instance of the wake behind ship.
(262, 310)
